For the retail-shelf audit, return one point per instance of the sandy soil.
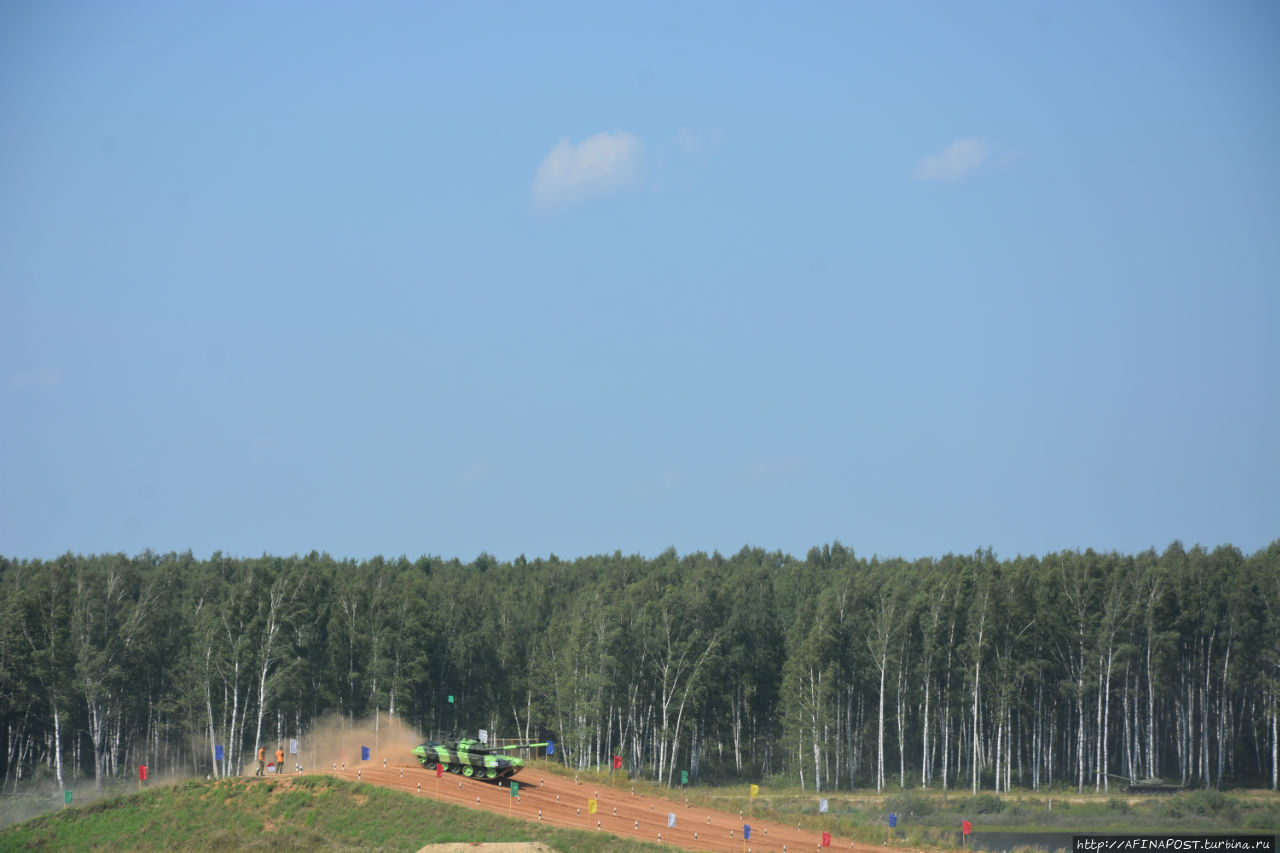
(560, 801)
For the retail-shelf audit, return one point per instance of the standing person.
(279, 759)
(262, 761)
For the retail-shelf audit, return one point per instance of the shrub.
(1205, 802)
(911, 802)
(985, 804)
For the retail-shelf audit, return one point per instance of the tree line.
(832, 672)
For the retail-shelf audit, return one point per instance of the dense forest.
(831, 672)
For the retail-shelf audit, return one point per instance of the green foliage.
(911, 803)
(1203, 802)
(837, 670)
(984, 804)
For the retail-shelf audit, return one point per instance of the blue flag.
(746, 832)
(893, 820)
(551, 747)
(364, 753)
(217, 752)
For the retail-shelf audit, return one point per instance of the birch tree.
(884, 628)
(276, 609)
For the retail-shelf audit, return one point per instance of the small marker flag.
(822, 805)
(966, 827)
(66, 797)
(142, 772)
(439, 770)
(515, 789)
(217, 752)
(364, 753)
(450, 698)
(826, 839)
(684, 777)
(551, 747)
(746, 831)
(484, 735)
(755, 789)
(671, 819)
(591, 806)
(617, 762)
(893, 821)
(293, 746)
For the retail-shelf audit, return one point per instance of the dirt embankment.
(560, 801)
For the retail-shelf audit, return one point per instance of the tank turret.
(1153, 785)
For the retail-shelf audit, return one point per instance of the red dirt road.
(559, 801)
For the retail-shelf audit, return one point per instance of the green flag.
(515, 789)
(66, 797)
(450, 698)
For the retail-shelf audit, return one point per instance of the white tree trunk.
(57, 743)
(880, 733)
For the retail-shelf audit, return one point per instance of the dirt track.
(559, 801)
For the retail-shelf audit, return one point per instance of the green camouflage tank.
(471, 758)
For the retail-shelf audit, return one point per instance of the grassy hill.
(324, 813)
(306, 813)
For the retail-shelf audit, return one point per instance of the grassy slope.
(311, 813)
(323, 813)
(925, 818)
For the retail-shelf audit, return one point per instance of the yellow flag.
(755, 789)
(591, 806)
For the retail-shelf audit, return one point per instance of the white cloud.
(694, 141)
(955, 162)
(599, 165)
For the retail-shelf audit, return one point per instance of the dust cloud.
(337, 740)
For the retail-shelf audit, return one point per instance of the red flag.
(142, 772)
(617, 762)
(966, 827)
(826, 839)
(439, 770)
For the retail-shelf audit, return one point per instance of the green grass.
(311, 813)
(324, 813)
(862, 815)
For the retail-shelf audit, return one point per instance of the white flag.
(484, 736)
(822, 806)
(671, 818)
(293, 746)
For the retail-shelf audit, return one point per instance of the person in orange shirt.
(262, 761)
(279, 759)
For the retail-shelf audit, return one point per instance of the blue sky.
(575, 278)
